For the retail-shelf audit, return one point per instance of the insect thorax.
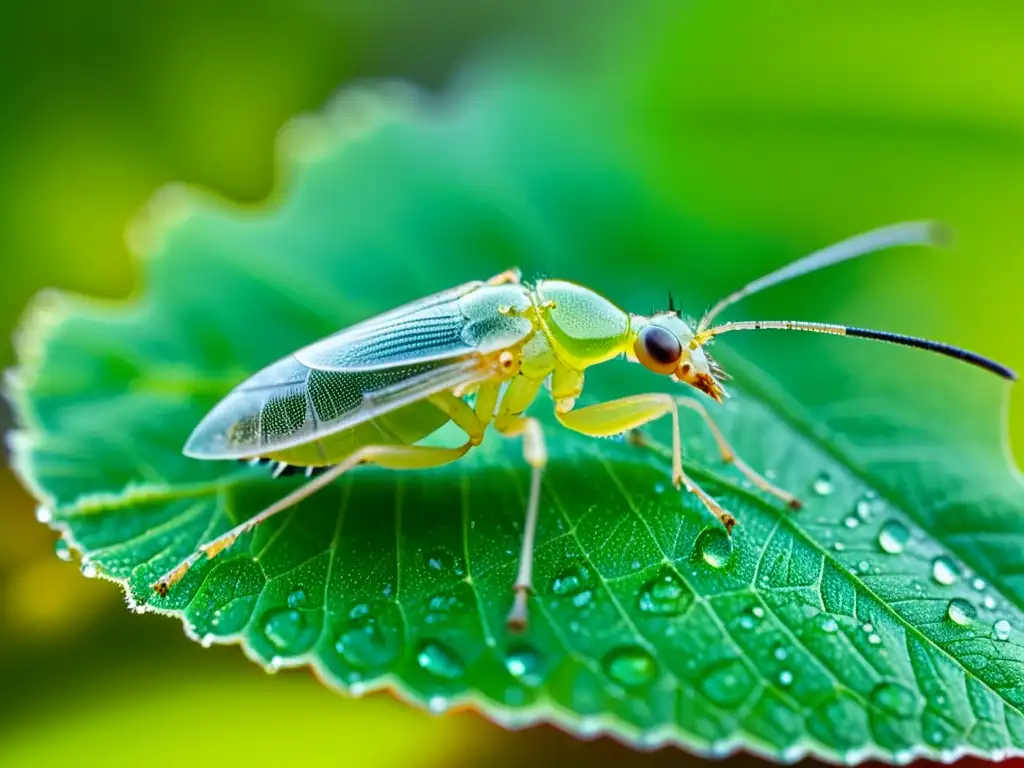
(584, 327)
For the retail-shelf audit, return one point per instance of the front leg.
(617, 416)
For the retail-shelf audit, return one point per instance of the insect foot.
(518, 616)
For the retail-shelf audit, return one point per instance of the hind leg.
(390, 456)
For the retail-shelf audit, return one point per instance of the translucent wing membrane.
(365, 371)
(438, 327)
(289, 404)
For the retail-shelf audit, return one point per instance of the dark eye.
(658, 349)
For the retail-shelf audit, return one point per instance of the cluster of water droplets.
(893, 539)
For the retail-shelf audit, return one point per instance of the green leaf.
(882, 621)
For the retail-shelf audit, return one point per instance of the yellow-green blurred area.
(792, 122)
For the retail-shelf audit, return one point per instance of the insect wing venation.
(423, 348)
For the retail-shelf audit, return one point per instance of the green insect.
(478, 355)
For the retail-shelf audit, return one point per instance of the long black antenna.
(864, 333)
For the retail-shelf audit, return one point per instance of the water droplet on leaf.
(664, 595)
(62, 550)
(960, 612)
(785, 677)
(631, 666)
(442, 607)
(944, 571)
(89, 569)
(978, 584)
(893, 537)
(863, 509)
(714, 547)
(371, 637)
(297, 598)
(1002, 629)
(822, 484)
(44, 514)
(439, 660)
(896, 700)
(572, 581)
(523, 663)
(437, 704)
(288, 630)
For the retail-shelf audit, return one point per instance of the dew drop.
(89, 569)
(758, 612)
(780, 653)
(868, 628)
(437, 704)
(851, 521)
(583, 599)
(523, 663)
(785, 677)
(371, 637)
(664, 595)
(442, 607)
(62, 549)
(631, 666)
(822, 484)
(874, 639)
(978, 584)
(439, 660)
(829, 625)
(572, 581)
(989, 602)
(288, 630)
(44, 514)
(839, 546)
(863, 509)
(944, 571)
(727, 683)
(714, 547)
(659, 488)
(297, 598)
(863, 566)
(896, 700)
(1002, 629)
(961, 612)
(893, 537)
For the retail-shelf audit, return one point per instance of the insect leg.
(729, 456)
(513, 276)
(462, 414)
(536, 455)
(627, 413)
(389, 456)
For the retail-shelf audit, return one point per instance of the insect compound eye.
(658, 349)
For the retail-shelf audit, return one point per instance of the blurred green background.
(793, 123)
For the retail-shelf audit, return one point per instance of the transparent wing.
(377, 366)
(289, 404)
(446, 325)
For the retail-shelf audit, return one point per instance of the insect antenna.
(907, 233)
(864, 333)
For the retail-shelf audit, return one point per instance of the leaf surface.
(883, 621)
